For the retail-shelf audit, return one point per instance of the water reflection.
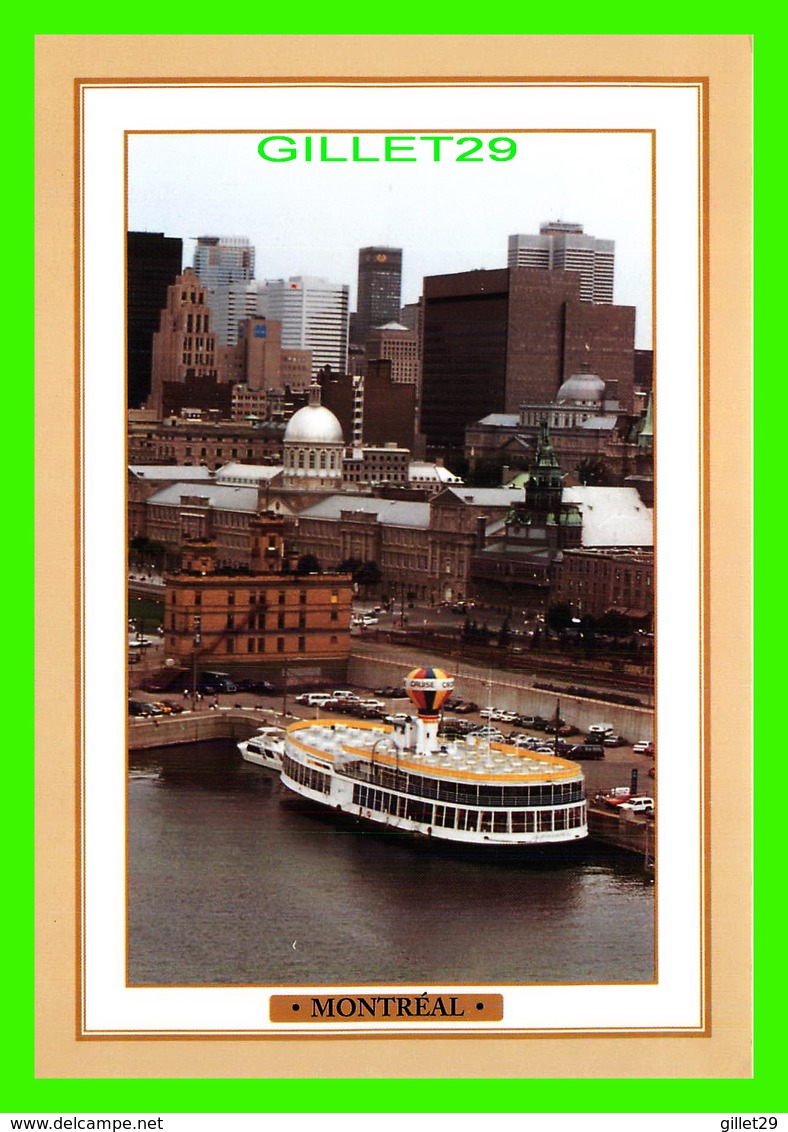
(223, 879)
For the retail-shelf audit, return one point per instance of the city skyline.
(312, 219)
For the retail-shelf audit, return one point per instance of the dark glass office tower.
(379, 290)
(153, 261)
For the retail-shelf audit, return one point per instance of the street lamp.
(197, 625)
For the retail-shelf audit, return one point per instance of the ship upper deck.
(463, 759)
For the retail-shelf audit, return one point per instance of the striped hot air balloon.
(428, 689)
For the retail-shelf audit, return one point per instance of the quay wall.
(633, 832)
(194, 727)
(510, 692)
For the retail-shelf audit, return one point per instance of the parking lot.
(461, 717)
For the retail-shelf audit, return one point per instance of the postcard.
(395, 439)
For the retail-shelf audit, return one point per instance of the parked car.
(491, 733)
(141, 707)
(644, 748)
(259, 687)
(466, 706)
(614, 741)
(640, 804)
(312, 699)
(214, 683)
(600, 729)
(168, 707)
(586, 751)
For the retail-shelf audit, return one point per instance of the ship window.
(485, 825)
(560, 817)
(518, 821)
(468, 794)
(501, 822)
(529, 821)
(544, 820)
(471, 820)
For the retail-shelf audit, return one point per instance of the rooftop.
(390, 512)
(466, 759)
(221, 497)
(170, 472)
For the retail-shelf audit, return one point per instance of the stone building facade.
(260, 621)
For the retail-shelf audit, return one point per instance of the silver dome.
(314, 424)
(582, 388)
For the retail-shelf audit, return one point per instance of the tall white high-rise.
(314, 316)
(562, 246)
(230, 304)
(223, 259)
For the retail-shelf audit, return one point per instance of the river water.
(229, 886)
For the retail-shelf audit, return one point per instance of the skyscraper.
(223, 259)
(394, 341)
(562, 246)
(230, 304)
(379, 289)
(184, 346)
(314, 316)
(153, 260)
(496, 339)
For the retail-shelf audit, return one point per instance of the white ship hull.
(444, 806)
(263, 750)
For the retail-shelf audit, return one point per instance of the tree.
(559, 617)
(308, 564)
(368, 574)
(593, 473)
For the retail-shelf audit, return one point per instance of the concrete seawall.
(507, 690)
(167, 731)
(633, 832)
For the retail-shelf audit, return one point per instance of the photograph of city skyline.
(391, 580)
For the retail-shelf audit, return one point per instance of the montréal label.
(399, 1007)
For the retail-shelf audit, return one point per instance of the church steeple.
(545, 481)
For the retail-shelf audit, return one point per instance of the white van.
(313, 699)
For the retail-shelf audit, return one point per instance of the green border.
(22, 1092)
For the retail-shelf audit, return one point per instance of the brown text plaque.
(397, 1007)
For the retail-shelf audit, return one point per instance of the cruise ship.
(405, 778)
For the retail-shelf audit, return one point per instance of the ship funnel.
(428, 689)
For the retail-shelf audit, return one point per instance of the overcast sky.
(311, 218)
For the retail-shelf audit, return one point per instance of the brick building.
(599, 580)
(259, 621)
(180, 440)
(495, 339)
(373, 409)
(424, 548)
